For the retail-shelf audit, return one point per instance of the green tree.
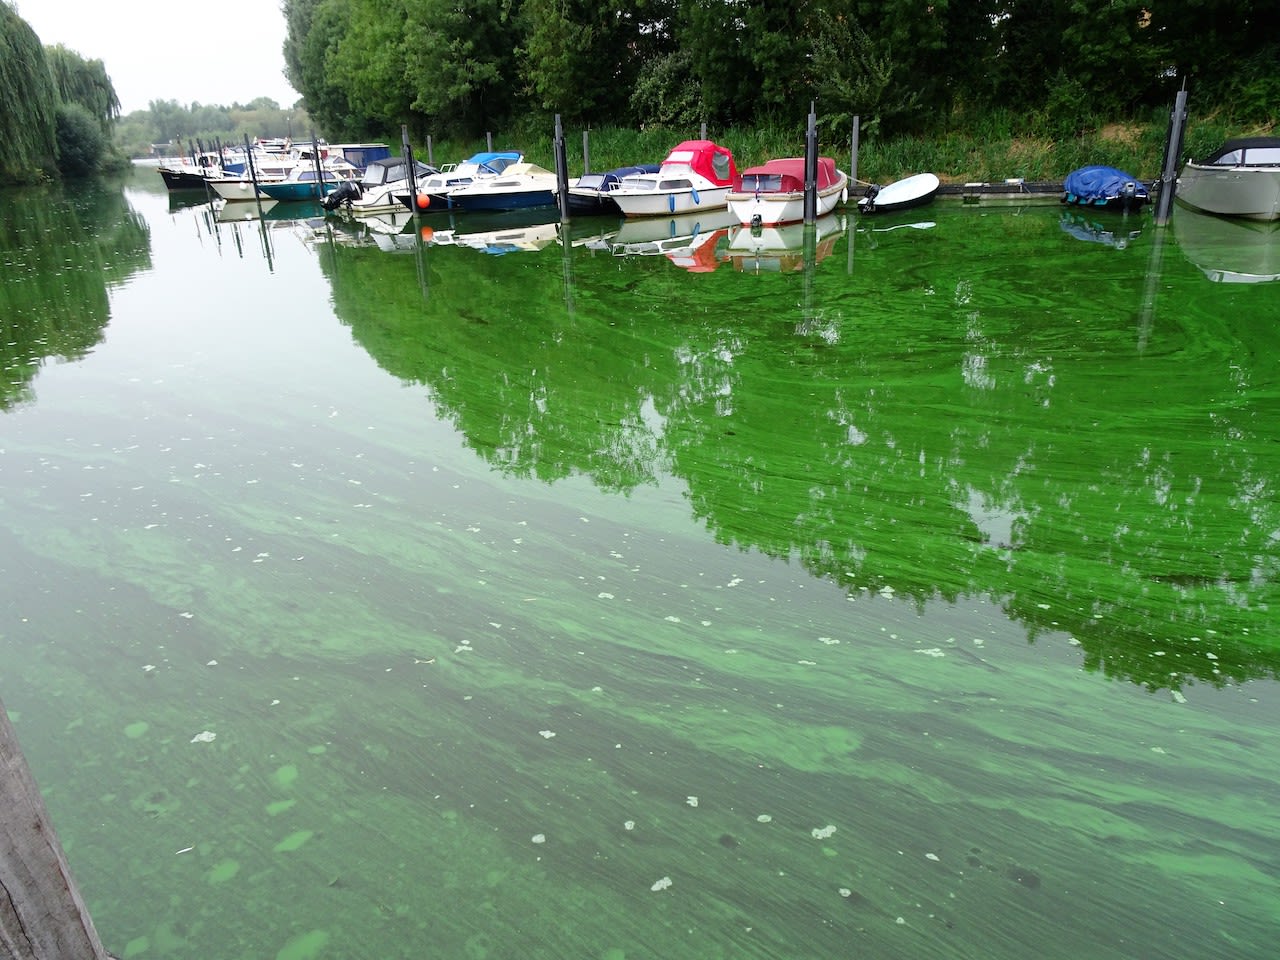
(314, 31)
(81, 142)
(583, 59)
(84, 82)
(27, 120)
(462, 62)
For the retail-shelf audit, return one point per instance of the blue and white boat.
(519, 187)
(434, 192)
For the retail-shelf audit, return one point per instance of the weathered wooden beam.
(41, 914)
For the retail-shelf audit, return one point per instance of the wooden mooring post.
(42, 916)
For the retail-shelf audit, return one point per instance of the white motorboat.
(900, 195)
(696, 175)
(772, 194)
(1239, 179)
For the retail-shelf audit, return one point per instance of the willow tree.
(85, 82)
(30, 98)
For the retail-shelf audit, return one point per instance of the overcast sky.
(162, 50)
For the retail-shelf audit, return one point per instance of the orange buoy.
(424, 201)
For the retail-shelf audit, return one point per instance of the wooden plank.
(42, 916)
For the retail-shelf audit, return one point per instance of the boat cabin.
(1246, 152)
(392, 170)
(786, 176)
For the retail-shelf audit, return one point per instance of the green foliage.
(665, 92)
(30, 99)
(84, 82)
(81, 143)
(462, 60)
(857, 79)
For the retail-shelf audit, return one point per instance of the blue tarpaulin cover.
(1098, 186)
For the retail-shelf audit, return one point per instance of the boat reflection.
(1229, 250)
(696, 242)
(782, 249)
(1111, 229)
(520, 231)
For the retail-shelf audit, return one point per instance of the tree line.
(58, 107)
(461, 67)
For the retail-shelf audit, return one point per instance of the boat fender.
(696, 198)
(844, 196)
(671, 202)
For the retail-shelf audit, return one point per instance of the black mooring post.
(408, 160)
(253, 174)
(1172, 151)
(811, 167)
(42, 915)
(562, 171)
(319, 168)
(853, 154)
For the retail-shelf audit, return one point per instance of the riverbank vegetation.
(59, 108)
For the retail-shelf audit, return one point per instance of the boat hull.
(901, 194)
(1249, 192)
(297, 191)
(590, 203)
(182, 179)
(783, 207)
(513, 200)
(665, 203)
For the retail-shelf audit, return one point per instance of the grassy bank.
(995, 148)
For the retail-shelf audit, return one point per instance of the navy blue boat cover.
(1099, 184)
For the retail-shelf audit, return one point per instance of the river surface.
(899, 589)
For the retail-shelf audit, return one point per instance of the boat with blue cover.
(1106, 187)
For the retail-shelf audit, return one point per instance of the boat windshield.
(638, 183)
(761, 182)
(591, 181)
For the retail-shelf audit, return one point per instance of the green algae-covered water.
(898, 590)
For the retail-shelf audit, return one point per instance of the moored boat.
(1102, 186)
(772, 194)
(592, 193)
(310, 183)
(520, 186)
(696, 175)
(434, 191)
(902, 194)
(376, 191)
(1239, 179)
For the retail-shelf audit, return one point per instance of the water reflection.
(1229, 250)
(782, 249)
(59, 255)
(582, 572)
(696, 242)
(1107, 228)
(952, 446)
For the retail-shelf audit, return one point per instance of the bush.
(80, 141)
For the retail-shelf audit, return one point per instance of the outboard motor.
(1128, 195)
(873, 191)
(345, 192)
